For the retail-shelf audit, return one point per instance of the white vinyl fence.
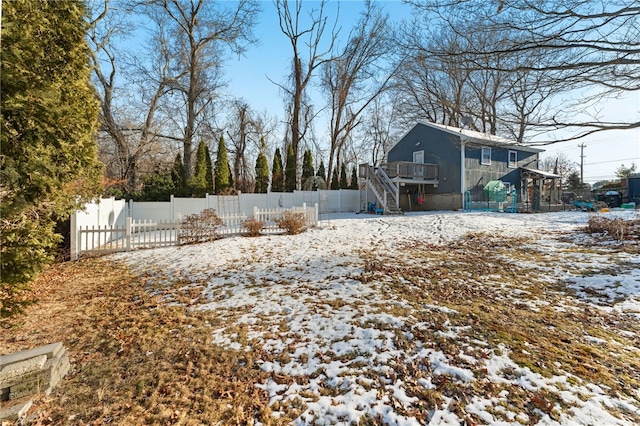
(134, 234)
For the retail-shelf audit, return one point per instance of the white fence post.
(74, 237)
(127, 233)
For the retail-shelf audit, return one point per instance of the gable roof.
(474, 137)
(540, 173)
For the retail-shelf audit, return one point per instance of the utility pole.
(582, 146)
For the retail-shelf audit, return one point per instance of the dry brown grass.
(137, 360)
(134, 360)
(476, 278)
(616, 228)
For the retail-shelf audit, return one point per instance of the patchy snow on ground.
(353, 350)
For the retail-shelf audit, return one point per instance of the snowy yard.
(437, 318)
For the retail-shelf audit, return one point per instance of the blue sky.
(604, 152)
(249, 75)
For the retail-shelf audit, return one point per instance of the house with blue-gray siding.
(433, 166)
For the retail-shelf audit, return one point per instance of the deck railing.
(408, 170)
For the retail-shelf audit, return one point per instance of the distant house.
(437, 167)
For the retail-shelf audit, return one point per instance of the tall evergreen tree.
(222, 173)
(321, 171)
(307, 165)
(49, 163)
(201, 182)
(177, 176)
(343, 177)
(290, 170)
(335, 180)
(211, 186)
(157, 186)
(277, 178)
(231, 184)
(262, 170)
(354, 178)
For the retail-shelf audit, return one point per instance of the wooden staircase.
(386, 192)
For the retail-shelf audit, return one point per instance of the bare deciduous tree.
(319, 45)
(560, 164)
(241, 135)
(245, 129)
(355, 77)
(133, 135)
(378, 132)
(576, 44)
(200, 31)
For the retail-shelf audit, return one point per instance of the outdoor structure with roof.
(438, 167)
(633, 189)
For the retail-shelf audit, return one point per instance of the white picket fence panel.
(137, 234)
(232, 224)
(270, 217)
(151, 234)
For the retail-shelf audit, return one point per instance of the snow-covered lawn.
(436, 318)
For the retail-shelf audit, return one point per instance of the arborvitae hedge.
(49, 163)
(321, 171)
(307, 165)
(290, 170)
(201, 183)
(354, 178)
(277, 178)
(177, 176)
(335, 180)
(222, 172)
(343, 177)
(262, 170)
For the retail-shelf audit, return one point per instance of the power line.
(568, 148)
(610, 161)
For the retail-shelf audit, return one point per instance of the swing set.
(419, 195)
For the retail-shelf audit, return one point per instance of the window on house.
(513, 159)
(486, 156)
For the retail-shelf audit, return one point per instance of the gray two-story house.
(433, 166)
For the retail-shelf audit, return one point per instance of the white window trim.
(482, 160)
(510, 164)
(418, 152)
